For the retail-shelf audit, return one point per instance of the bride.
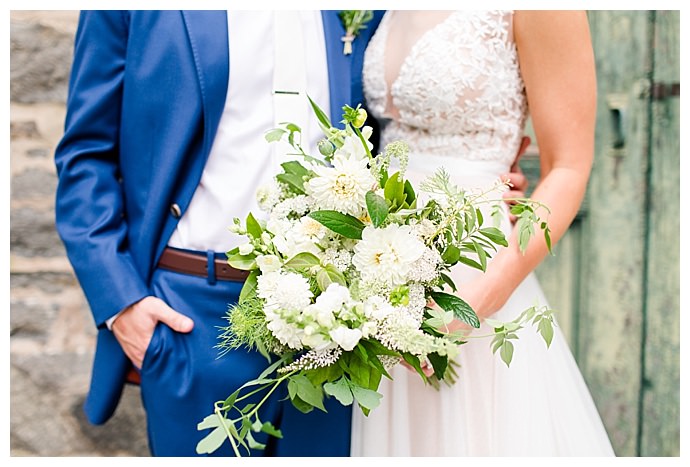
(457, 87)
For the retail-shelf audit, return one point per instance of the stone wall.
(51, 329)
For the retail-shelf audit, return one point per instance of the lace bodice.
(459, 91)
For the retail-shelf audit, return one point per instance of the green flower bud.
(326, 148)
(361, 118)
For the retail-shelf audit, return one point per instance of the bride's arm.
(557, 65)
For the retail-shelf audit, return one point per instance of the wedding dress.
(459, 102)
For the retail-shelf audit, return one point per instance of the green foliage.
(328, 275)
(344, 224)
(459, 307)
(246, 328)
(377, 208)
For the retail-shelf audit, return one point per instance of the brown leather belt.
(197, 264)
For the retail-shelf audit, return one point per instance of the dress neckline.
(388, 90)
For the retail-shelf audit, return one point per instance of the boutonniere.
(353, 22)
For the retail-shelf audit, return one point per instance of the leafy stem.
(218, 411)
(364, 142)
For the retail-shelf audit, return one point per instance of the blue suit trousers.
(183, 375)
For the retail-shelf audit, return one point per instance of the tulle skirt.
(539, 406)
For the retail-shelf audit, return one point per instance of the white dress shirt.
(241, 160)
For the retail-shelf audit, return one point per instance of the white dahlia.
(342, 187)
(387, 254)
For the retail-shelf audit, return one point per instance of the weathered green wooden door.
(615, 277)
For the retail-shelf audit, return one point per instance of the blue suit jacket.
(146, 94)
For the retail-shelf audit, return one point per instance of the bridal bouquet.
(349, 275)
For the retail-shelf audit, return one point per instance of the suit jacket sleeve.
(90, 215)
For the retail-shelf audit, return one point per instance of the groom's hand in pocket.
(134, 327)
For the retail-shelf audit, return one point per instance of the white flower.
(346, 338)
(309, 230)
(268, 196)
(301, 236)
(424, 230)
(424, 270)
(334, 297)
(369, 329)
(323, 316)
(377, 307)
(316, 341)
(288, 334)
(387, 254)
(268, 263)
(352, 147)
(277, 225)
(246, 249)
(342, 187)
(284, 291)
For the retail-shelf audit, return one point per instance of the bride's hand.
(427, 369)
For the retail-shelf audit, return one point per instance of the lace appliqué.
(459, 91)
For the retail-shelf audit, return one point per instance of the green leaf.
(308, 392)
(470, 262)
(274, 366)
(366, 398)
(497, 342)
(320, 115)
(294, 168)
(230, 401)
(546, 330)
(383, 178)
(253, 227)
(451, 255)
(244, 262)
(329, 275)
(249, 287)
(300, 405)
(481, 254)
(295, 182)
(460, 308)
(413, 361)
(210, 421)
(344, 224)
(211, 442)
(480, 217)
(547, 238)
(292, 127)
(439, 364)
(270, 430)
(507, 352)
(394, 191)
(376, 348)
(274, 135)
(525, 231)
(439, 317)
(254, 444)
(303, 261)
(377, 208)
(410, 195)
(495, 235)
(340, 389)
(359, 370)
(449, 281)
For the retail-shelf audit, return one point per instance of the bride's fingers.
(427, 369)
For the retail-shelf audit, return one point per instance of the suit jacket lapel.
(339, 65)
(208, 37)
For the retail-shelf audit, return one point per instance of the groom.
(163, 146)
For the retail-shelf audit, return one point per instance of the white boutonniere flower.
(353, 22)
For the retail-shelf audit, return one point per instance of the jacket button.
(175, 210)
